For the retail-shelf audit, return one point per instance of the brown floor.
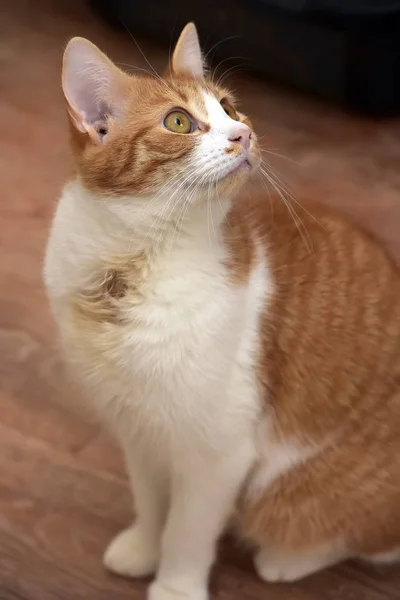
(63, 490)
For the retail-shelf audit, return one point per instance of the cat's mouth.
(243, 166)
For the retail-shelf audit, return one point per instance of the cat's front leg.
(204, 491)
(135, 551)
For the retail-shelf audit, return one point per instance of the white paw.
(159, 591)
(273, 568)
(131, 554)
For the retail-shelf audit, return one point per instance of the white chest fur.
(183, 364)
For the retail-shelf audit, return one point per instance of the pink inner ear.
(187, 57)
(89, 84)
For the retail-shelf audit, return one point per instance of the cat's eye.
(178, 122)
(228, 108)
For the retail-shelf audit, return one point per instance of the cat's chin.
(229, 187)
(243, 167)
(232, 182)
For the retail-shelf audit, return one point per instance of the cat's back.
(330, 369)
(303, 236)
(331, 334)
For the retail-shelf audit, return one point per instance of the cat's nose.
(242, 135)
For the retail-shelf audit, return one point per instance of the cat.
(250, 377)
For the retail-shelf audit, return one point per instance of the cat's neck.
(141, 225)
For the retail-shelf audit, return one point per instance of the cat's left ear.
(187, 58)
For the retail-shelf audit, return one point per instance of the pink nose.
(243, 136)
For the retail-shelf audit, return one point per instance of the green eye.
(228, 108)
(178, 122)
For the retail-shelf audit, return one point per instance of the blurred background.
(320, 79)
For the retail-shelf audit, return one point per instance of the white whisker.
(157, 75)
(302, 229)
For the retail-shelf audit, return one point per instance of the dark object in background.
(347, 51)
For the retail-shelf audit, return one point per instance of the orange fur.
(330, 369)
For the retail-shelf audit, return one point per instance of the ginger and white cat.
(245, 377)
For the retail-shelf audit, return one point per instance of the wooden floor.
(63, 491)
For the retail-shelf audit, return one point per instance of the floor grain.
(63, 490)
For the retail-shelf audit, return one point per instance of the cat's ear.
(187, 57)
(94, 88)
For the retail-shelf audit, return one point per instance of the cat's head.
(144, 135)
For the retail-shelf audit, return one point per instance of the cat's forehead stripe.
(215, 113)
(190, 93)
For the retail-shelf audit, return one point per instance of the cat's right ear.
(94, 88)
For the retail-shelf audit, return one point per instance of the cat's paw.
(176, 591)
(273, 567)
(132, 554)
